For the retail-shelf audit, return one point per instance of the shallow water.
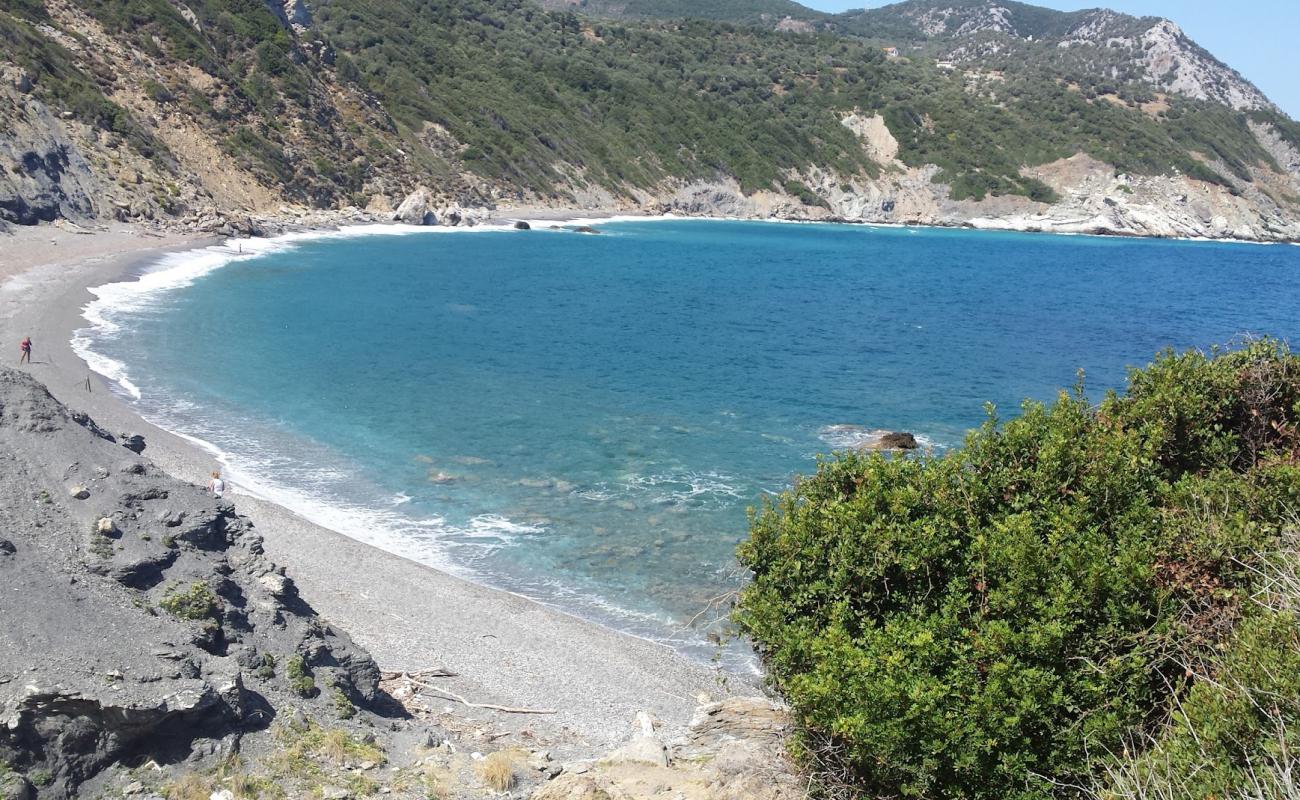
(584, 419)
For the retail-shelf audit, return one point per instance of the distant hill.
(765, 12)
(1092, 48)
(932, 111)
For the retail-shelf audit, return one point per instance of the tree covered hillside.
(502, 97)
(635, 103)
(762, 12)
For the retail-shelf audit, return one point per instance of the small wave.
(110, 368)
(495, 525)
(676, 488)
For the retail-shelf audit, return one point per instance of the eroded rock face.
(293, 14)
(45, 177)
(136, 621)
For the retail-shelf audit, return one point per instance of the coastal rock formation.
(895, 440)
(417, 208)
(857, 437)
(141, 618)
(50, 178)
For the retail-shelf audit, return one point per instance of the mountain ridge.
(161, 110)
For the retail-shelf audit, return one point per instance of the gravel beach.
(503, 649)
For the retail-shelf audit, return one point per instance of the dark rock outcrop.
(50, 178)
(897, 440)
(135, 621)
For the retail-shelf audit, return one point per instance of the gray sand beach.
(503, 649)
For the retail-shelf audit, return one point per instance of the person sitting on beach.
(216, 485)
(25, 346)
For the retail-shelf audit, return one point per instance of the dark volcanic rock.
(897, 440)
(130, 619)
(520, 225)
(133, 442)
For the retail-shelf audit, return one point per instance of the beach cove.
(512, 650)
(583, 417)
(505, 649)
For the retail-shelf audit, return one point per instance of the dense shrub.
(1021, 616)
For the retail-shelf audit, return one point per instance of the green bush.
(301, 681)
(195, 602)
(266, 668)
(343, 706)
(40, 777)
(994, 622)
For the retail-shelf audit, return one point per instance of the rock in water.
(417, 209)
(897, 440)
(585, 229)
(520, 225)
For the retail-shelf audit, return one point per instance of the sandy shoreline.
(506, 649)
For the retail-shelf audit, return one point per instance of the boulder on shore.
(417, 209)
(520, 225)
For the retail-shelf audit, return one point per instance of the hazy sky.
(1258, 38)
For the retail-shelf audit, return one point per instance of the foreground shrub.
(1008, 619)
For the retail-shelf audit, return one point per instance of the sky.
(1258, 38)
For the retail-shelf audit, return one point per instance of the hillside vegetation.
(754, 12)
(1086, 600)
(490, 99)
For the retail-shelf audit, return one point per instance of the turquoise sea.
(584, 419)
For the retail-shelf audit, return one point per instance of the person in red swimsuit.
(26, 347)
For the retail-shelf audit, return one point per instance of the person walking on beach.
(25, 347)
(216, 485)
